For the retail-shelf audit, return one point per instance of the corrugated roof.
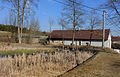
(79, 35)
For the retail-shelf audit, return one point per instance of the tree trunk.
(91, 33)
(73, 37)
(19, 38)
(21, 29)
(22, 19)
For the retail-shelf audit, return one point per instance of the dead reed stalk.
(41, 64)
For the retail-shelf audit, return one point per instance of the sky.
(47, 9)
(50, 8)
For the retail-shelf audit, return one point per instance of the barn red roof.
(79, 35)
(115, 38)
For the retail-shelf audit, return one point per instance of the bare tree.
(15, 21)
(113, 6)
(94, 22)
(37, 25)
(23, 11)
(51, 23)
(34, 26)
(62, 23)
(19, 7)
(72, 13)
(6, 21)
(10, 17)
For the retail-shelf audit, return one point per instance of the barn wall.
(93, 43)
(69, 42)
(66, 42)
(56, 42)
(98, 43)
(108, 42)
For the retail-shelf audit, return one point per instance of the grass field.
(25, 51)
(19, 49)
(106, 64)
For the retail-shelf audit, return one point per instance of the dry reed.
(41, 64)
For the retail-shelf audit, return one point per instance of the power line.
(81, 5)
(111, 26)
(78, 4)
(60, 2)
(113, 30)
(111, 22)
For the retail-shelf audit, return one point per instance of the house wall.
(66, 42)
(56, 42)
(69, 42)
(99, 43)
(93, 43)
(108, 42)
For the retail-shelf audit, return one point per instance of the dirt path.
(104, 65)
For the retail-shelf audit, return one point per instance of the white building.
(82, 37)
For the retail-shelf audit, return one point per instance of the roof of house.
(115, 38)
(79, 34)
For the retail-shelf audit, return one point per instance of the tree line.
(11, 28)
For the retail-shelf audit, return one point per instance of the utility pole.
(74, 24)
(50, 34)
(50, 28)
(103, 29)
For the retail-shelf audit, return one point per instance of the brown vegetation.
(41, 64)
(105, 64)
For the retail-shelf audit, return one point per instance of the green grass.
(25, 51)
